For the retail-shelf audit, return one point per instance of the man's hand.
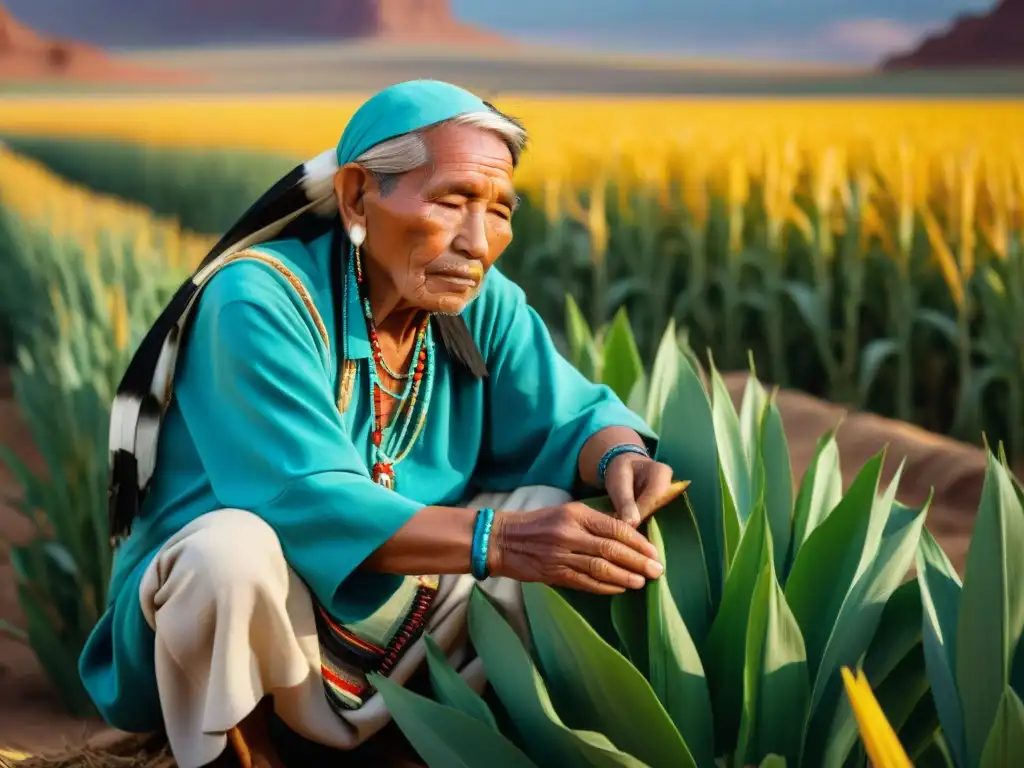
(638, 486)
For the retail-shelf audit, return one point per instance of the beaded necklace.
(391, 449)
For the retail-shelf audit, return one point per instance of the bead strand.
(420, 377)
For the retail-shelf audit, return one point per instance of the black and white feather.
(301, 198)
(300, 205)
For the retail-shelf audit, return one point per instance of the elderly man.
(300, 445)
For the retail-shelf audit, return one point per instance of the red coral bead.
(417, 376)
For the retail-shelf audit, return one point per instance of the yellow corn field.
(36, 195)
(869, 249)
(959, 165)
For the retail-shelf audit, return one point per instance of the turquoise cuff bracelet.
(481, 543)
(614, 452)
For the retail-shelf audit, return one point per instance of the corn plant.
(97, 307)
(972, 630)
(734, 656)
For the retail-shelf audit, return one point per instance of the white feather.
(165, 365)
(147, 439)
(318, 177)
(124, 416)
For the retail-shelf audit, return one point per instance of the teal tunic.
(254, 425)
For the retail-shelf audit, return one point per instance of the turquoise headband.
(402, 108)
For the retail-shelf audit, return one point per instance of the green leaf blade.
(991, 607)
(823, 572)
(445, 737)
(622, 365)
(595, 687)
(688, 445)
(521, 690)
(451, 689)
(725, 647)
(732, 453)
(940, 608)
(777, 482)
(664, 377)
(1004, 745)
(777, 687)
(676, 671)
(582, 347)
(863, 607)
(821, 489)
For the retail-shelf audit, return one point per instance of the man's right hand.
(574, 546)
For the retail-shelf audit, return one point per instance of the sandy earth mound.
(31, 719)
(26, 55)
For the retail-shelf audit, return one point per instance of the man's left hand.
(637, 485)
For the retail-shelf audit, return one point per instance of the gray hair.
(393, 157)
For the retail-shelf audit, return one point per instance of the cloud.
(871, 38)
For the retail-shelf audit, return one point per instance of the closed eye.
(451, 201)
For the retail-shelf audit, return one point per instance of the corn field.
(866, 252)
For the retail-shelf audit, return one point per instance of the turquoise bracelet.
(481, 543)
(612, 453)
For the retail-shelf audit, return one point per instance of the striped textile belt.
(348, 652)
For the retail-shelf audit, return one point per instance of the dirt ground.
(30, 716)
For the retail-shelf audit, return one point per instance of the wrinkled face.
(435, 231)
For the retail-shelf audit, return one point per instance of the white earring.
(357, 234)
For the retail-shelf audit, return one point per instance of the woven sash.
(349, 651)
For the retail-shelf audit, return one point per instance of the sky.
(853, 31)
(826, 30)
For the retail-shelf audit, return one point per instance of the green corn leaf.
(773, 761)
(594, 687)
(637, 400)
(582, 348)
(445, 737)
(940, 605)
(991, 607)
(821, 489)
(595, 610)
(676, 672)
(776, 687)
(688, 445)
(730, 522)
(686, 574)
(777, 481)
(725, 647)
(752, 406)
(826, 564)
(732, 453)
(451, 689)
(860, 616)
(664, 376)
(921, 727)
(622, 365)
(936, 755)
(629, 617)
(904, 689)
(1004, 746)
(899, 630)
(897, 638)
(521, 690)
